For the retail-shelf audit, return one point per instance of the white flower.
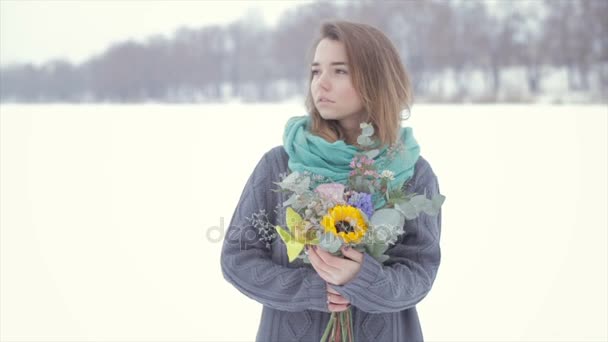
(388, 174)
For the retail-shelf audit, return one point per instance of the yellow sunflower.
(345, 221)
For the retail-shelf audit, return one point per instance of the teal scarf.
(309, 152)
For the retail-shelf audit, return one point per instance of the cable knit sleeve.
(407, 276)
(246, 262)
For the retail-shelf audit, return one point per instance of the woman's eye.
(338, 71)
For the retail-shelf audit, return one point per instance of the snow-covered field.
(112, 218)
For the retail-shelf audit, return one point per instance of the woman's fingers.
(337, 307)
(324, 275)
(352, 254)
(318, 263)
(336, 299)
(331, 289)
(329, 259)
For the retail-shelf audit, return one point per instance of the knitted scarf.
(309, 152)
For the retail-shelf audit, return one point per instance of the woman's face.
(331, 86)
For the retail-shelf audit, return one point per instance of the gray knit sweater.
(382, 296)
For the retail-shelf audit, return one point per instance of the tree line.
(459, 41)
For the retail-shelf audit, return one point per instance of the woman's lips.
(324, 101)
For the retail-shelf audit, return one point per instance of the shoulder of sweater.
(277, 154)
(423, 172)
(270, 165)
(422, 166)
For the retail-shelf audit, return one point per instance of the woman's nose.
(323, 81)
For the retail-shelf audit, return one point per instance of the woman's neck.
(351, 128)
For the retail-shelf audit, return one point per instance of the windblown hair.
(378, 75)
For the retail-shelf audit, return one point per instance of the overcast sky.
(36, 31)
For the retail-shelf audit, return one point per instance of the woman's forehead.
(330, 52)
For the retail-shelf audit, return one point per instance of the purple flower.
(362, 201)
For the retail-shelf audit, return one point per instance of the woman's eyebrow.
(332, 63)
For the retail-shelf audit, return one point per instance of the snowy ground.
(112, 220)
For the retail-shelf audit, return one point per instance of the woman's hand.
(333, 269)
(335, 301)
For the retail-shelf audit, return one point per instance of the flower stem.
(332, 335)
(350, 329)
(338, 328)
(330, 325)
(343, 325)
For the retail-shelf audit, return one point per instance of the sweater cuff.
(370, 269)
(317, 292)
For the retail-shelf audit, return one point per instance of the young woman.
(356, 76)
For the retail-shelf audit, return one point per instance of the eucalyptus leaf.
(375, 249)
(420, 202)
(385, 227)
(304, 258)
(436, 203)
(433, 205)
(371, 154)
(330, 242)
(299, 201)
(290, 200)
(291, 178)
(302, 186)
(371, 188)
(295, 182)
(387, 217)
(407, 209)
(382, 258)
(360, 184)
(431, 211)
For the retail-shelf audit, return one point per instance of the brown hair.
(378, 75)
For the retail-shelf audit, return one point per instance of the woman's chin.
(329, 115)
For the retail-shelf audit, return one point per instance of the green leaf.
(294, 248)
(371, 188)
(436, 203)
(387, 217)
(371, 154)
(407, 209)
(420, 202)
(330, 242)
(304, 258)
(295, 182)
(292, 220)
(375, 249)
(382, 258)
(386, 226)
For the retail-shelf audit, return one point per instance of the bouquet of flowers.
(365, 214)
